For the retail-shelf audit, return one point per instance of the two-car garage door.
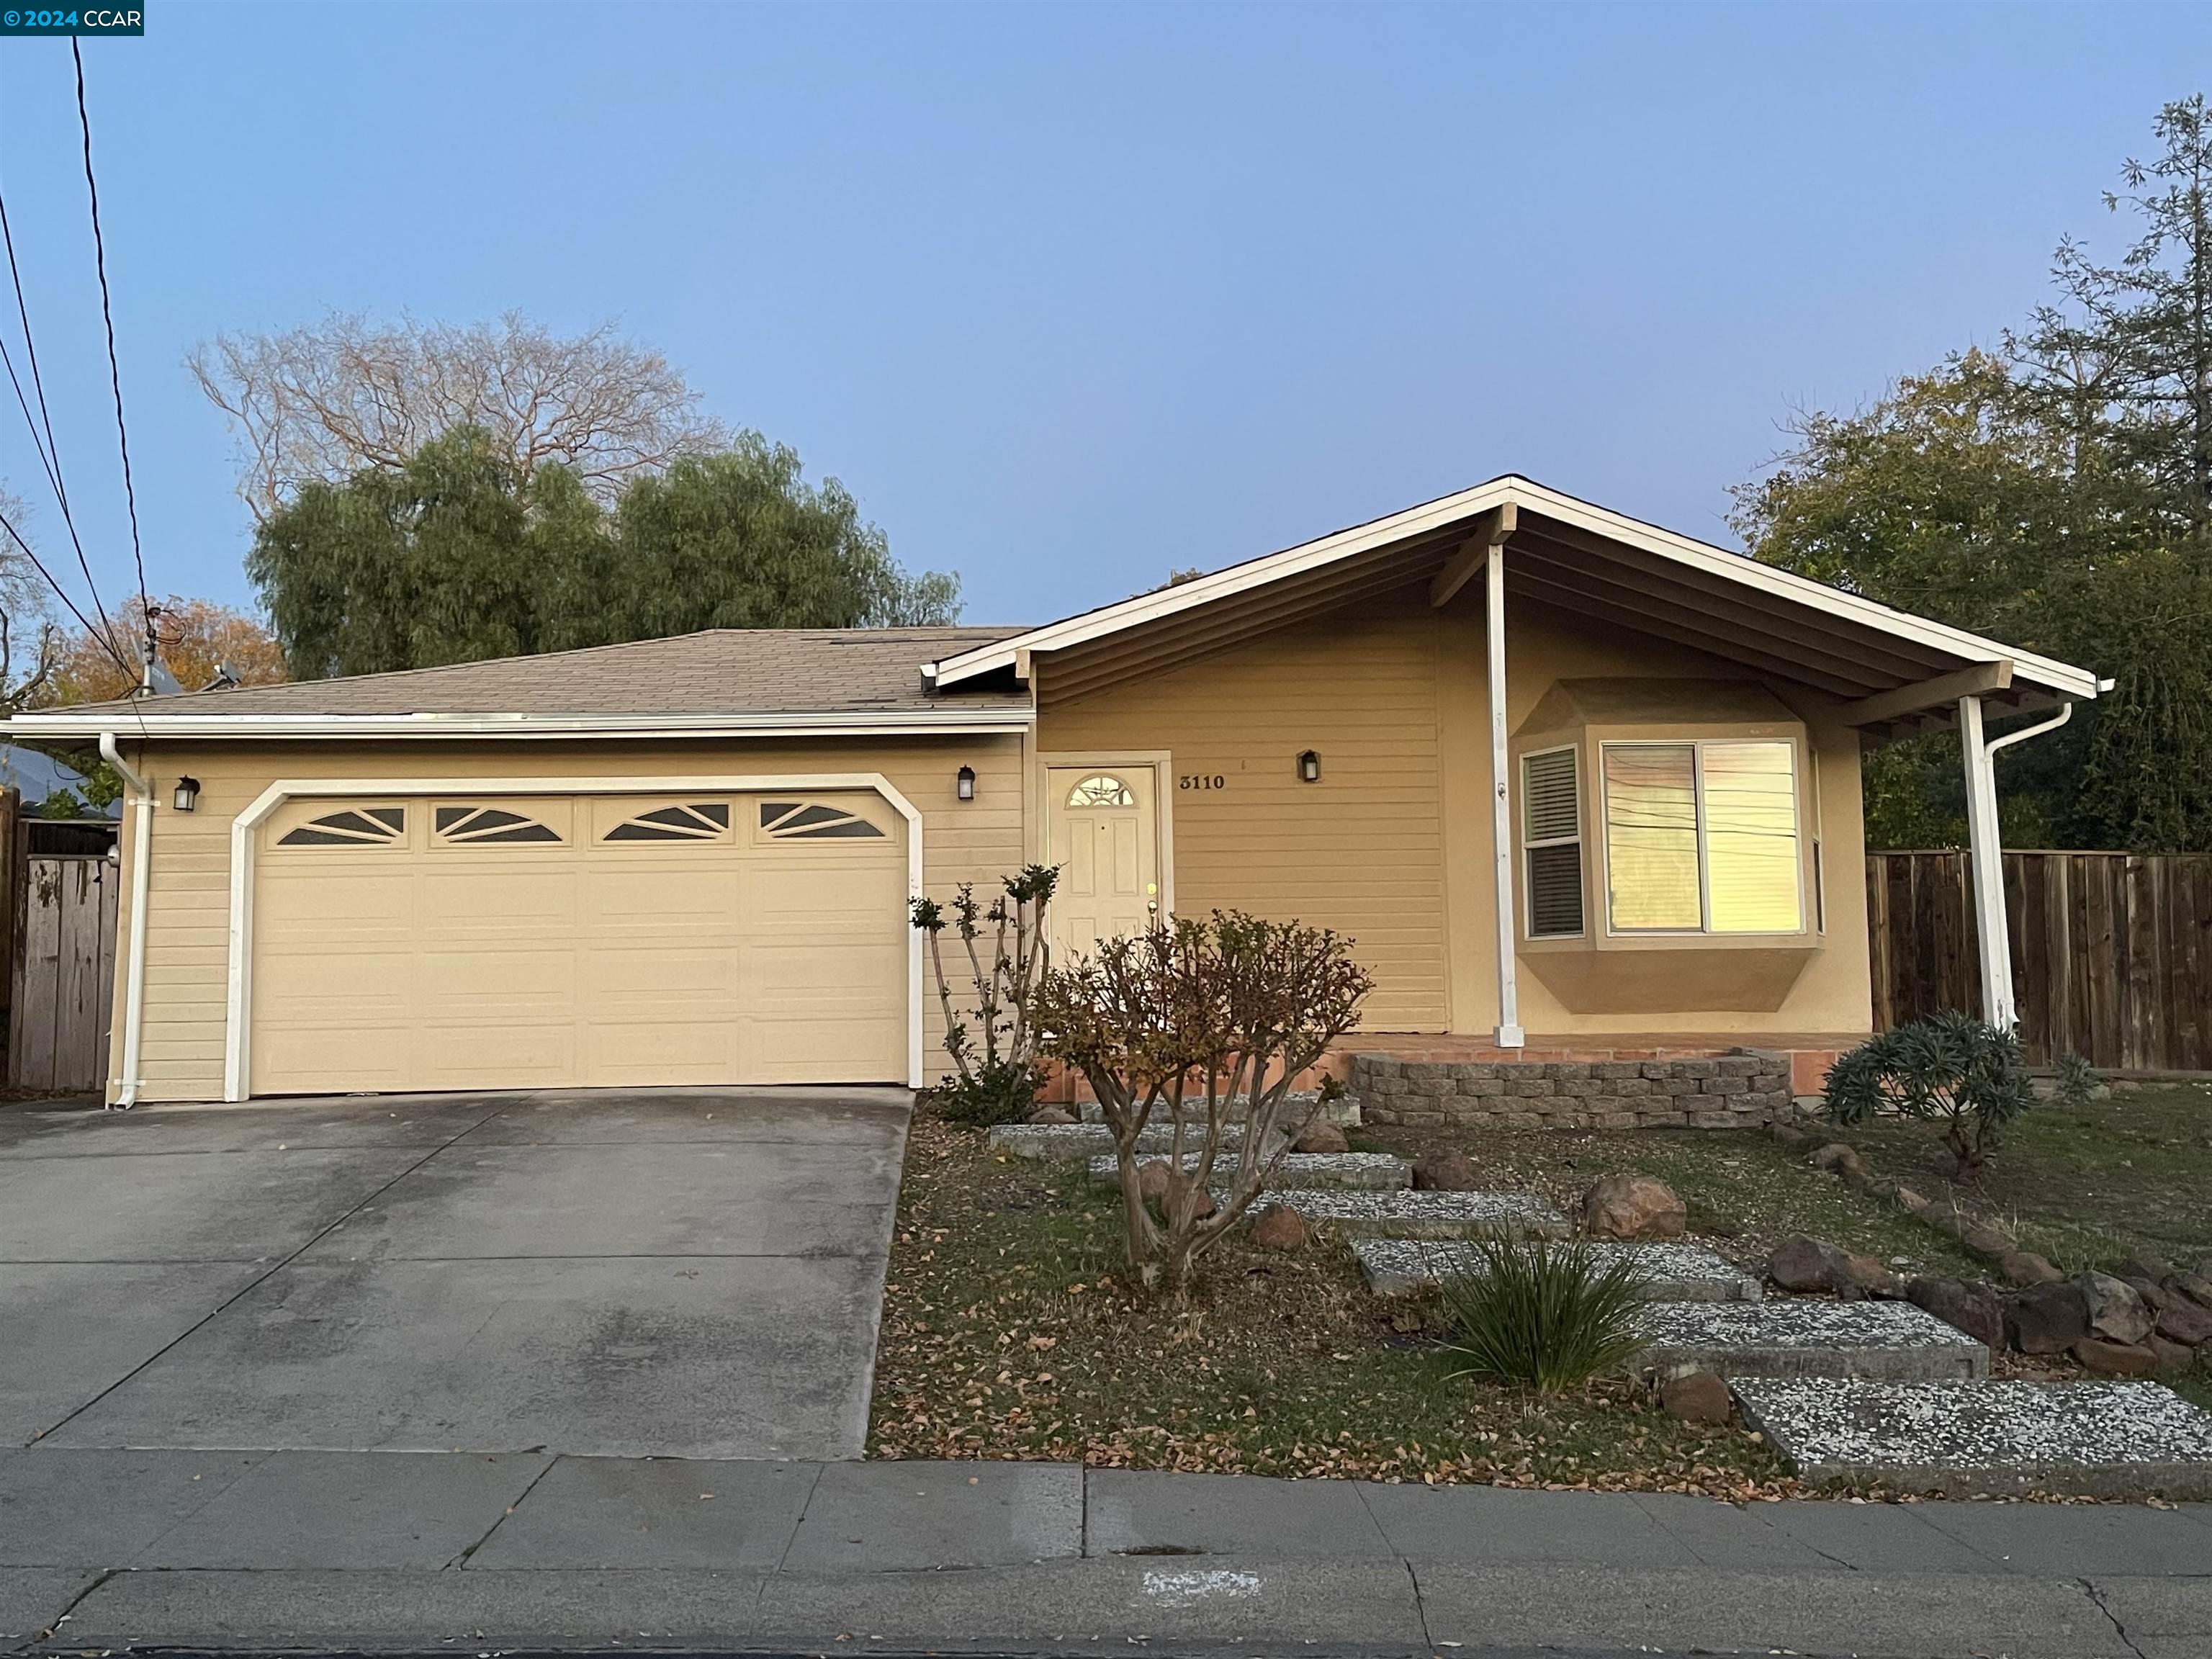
(423, 942)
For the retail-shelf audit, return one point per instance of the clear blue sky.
(1069, 296)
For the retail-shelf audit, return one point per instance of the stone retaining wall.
(1746, 1090)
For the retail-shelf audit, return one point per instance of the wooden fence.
(64, 972)
(2111, 952)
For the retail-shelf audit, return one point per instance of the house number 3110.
(1202, 780)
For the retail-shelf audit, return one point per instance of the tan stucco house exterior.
(687, 860)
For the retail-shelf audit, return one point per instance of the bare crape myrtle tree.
(1207, 1025)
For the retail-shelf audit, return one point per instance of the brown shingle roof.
(728, 670)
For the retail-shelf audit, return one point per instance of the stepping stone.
(1343, 1111)
(1671, 1271)
(1989, 1439)
(1070, 1141)
(1365, 1172)
(1405, 1215)
(1892, 1341)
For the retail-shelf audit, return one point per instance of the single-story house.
(1568, 778)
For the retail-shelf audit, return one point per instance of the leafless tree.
(325, 400)
(25, 615)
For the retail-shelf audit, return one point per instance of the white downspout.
(141, 866)
(1986, 853)
(1509, 1034)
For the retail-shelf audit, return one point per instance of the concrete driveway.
(687, 1273)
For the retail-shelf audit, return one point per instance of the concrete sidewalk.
(414, 1552)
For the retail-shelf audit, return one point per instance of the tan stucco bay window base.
(1668, 979)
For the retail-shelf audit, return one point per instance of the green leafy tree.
(2054, 497)
(457, 555)
(739, 539)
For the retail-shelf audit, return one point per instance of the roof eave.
(2062, 680)
(148, 722)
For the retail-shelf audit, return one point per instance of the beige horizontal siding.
(1362, 851)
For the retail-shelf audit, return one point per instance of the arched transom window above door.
(1101, 789)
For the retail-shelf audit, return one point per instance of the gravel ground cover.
(1988, 1439)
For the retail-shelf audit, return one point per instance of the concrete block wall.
(1745, 1090)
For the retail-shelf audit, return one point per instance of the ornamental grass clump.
(1543, 1315)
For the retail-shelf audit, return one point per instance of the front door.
(1101, 830)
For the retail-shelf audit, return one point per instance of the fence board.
(63, 977)
(2111, 952)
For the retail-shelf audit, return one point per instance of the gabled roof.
(1567, 553)
(723, 681)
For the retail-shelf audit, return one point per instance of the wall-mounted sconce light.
(187, 795)
(1309, 767)
(964, 784)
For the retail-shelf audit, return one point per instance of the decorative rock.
(1051, 1115)
(1321, 1138)
(2181, 1321)
(1908, 1200)
(1974, 1309)
(1697, 1397)
(1840, 1158)
(1279, 1227)
(2047, 1318)
(1633, 1207)
(1446, 1172)
(1986, 1242)
(2143, 1264)
(2173, 1358)
(2115, 1358)
(2155, 1297)
(1152, 1180)
(1805, 1263)
(2196, 1289)
(2117, 1314)
(2025, 1267)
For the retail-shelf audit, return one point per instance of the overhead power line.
(50, 457)
(107, 315)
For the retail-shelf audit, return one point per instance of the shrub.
(1543, 1315)
(994, 1079)
(1951, 1068)
(2078, 1082)
(1209, 1023)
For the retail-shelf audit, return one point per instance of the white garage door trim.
(237, 1077)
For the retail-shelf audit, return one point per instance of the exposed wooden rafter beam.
(1941, 692)
(1500, 522)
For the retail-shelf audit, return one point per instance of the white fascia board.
(2061, 678)
(151, 722)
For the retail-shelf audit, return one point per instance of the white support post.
(1986, 856)
(1509, 1034)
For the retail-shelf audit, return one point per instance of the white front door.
(1101, 828)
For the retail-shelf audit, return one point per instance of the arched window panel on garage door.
(349, 826)
(495, 824)
(801, 820)
(659, 820)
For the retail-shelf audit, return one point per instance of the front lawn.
(1006, 1335)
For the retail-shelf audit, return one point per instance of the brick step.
(1360, 1171)
(1886, 1341)
(1985, 1439)
(1671, 1272)
(1069, 1141)
(1298, 1108)
(1403, 1214)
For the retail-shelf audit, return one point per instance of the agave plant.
(1543, 1315)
